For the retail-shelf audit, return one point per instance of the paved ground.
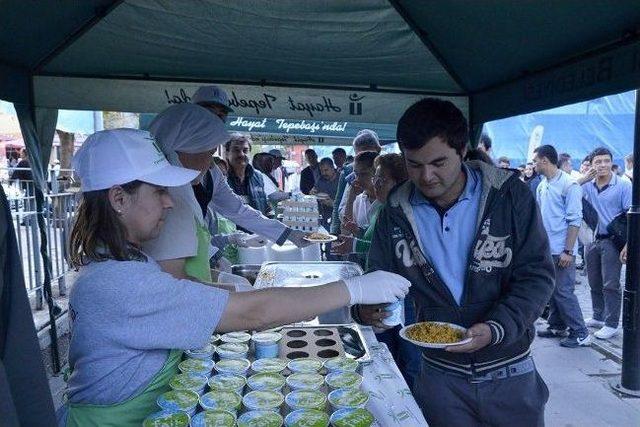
(612, 346)
(579, 391)
(578, 379)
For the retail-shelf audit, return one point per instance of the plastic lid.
(269, 365)
(348, 398)
(307, 399)
(221, 399)
(214, 418)
(266, 381)
(344, 380)
(260, 419)
(263, 399)
(178, 400)
(307, 418)
(348, 417)
(305, 365)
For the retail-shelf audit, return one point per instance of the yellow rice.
(434, 333)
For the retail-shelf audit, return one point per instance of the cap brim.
(170, 176)
(219, 104)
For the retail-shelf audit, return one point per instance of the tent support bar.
(630, 380)
(428, 43)
(263, 83)
(69, 40)
(53, 309)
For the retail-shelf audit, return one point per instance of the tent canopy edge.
(606, 73)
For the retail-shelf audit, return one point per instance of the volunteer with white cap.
(188, 134)
(223, 200)
(130, 320)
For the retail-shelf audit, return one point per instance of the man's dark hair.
(327, 161)
(504, 159)
(430, 118)
(587, 158)
(310, 151)
(366, 158)
(237, 137)
(485, 140)
(339, 151)
(549, 152)
(601, 151)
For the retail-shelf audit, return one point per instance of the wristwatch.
(568, 252)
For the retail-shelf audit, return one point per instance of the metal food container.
(309, 273)
(248, 271)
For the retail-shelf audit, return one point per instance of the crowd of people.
(441, 227)
(581, 211)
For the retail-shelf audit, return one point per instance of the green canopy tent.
(323, 60)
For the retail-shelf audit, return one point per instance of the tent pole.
(630, 378)
(54, 310)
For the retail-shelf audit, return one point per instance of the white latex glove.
(255, 241)
(378, 287)
(238, 239)
(297, 238)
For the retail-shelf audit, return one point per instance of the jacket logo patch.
(490, 251)
(403, 253)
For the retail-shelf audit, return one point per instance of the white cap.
(212, 95)
(118, 156)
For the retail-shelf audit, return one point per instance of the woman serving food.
(130, 320)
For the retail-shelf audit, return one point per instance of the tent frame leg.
(629, 383)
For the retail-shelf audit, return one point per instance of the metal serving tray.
(304, 273)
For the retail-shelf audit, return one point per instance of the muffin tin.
(324, 342)
(320, 343)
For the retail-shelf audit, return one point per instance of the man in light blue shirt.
(560, 200)
(448, 234)
(610, 195)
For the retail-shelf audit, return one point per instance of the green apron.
(198, 266)
(132, 411)
(230, 252)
